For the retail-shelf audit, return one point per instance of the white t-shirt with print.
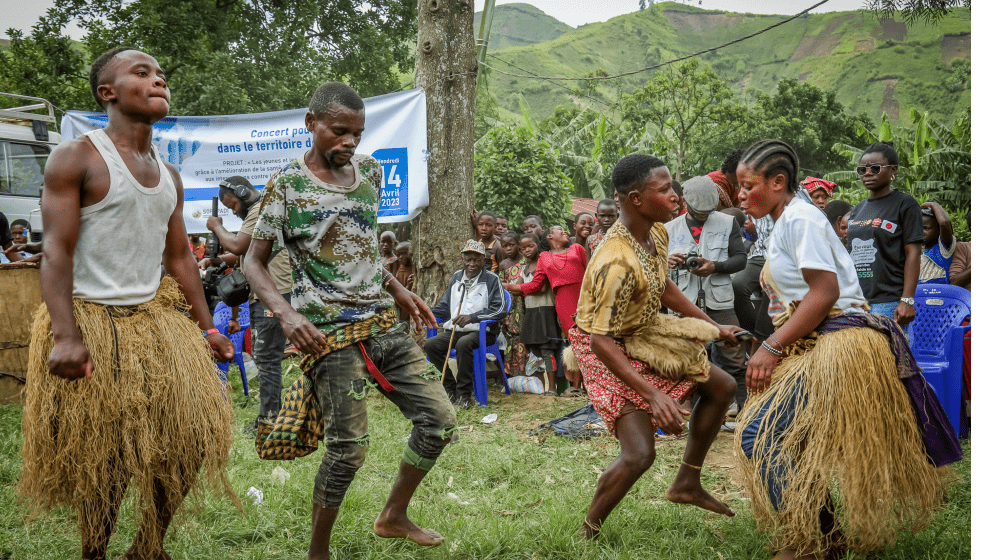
(803, 238)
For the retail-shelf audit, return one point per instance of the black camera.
(692, 261)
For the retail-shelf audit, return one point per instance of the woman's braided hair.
(771, 157)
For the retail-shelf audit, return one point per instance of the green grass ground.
(497, 494)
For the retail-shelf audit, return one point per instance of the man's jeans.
(268, 350)
(342, 382)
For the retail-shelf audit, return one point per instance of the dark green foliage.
(518, 174)
(232, 56)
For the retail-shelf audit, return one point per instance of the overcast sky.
(22, 14)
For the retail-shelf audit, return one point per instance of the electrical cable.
(655, 66)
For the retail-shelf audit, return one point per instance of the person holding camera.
(705, 248)
(240, 196)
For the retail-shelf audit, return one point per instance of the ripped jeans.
(342, 383)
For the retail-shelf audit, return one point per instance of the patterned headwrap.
(812, 183)
(728, 192)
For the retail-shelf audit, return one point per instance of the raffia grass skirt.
(854, 439)
(150, 417)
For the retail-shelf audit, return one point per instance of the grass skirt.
(853, 438)
(152, 414)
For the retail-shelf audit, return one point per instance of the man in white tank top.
(139, 401)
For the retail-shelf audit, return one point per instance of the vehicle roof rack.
(25, 115)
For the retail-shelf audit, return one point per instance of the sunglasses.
(875, 169)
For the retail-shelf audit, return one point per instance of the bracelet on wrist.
(770, 348)
(210, 331)
(780, 345)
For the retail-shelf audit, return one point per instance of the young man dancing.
(323, 208)
(637, 392)
(122, 390)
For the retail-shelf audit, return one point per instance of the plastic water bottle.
(249, 366)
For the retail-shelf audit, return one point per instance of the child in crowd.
(501, 226)
(535, 226)
(404, 273)
(540, 324)
(562, 269)
(583, 225)
(837, 211)
(607, 215)
(387, 248)
(819, 190)
(486, 226)
(19, 233)
(197, 246)
(516, 355)
(939, 245)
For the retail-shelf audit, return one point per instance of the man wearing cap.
(239, 195)
(474, 295)
(717, 240)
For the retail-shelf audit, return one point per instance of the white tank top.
(122, 237)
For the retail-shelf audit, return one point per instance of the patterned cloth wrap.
(299, 425)
(608, 393)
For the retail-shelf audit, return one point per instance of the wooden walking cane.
(447, 354)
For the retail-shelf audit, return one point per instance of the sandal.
(574, 392)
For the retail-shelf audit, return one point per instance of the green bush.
(517, 175)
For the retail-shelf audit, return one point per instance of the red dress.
(564, 272)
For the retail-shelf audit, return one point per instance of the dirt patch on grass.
(834, 23)
(894, 30)
(889, 104)
(701, 22)
(864, 45)
(745, 81)
(818, 45)
(956, 46)
(804, 76)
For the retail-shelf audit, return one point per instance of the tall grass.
(496, 494)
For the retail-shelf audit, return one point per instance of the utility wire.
(550, 81)
(653, 67)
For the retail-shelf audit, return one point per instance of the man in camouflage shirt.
(323, 208)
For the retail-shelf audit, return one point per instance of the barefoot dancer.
(122, 390)
(623, 288)
(323, 207)
(846, 411)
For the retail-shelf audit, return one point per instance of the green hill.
(519, 25)
(873, 66)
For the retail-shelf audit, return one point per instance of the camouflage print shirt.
(331, 235)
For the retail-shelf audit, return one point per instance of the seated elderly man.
(474, 295)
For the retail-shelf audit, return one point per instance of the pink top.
(560, 270)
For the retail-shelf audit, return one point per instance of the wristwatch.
(907, 300)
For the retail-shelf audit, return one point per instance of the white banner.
(209, 149)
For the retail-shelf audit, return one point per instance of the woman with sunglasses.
(885, 237)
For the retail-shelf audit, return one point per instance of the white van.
(25, 145)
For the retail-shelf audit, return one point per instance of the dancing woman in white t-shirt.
(831, 427)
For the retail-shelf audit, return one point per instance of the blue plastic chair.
(221, 319)
(479, 356)
(937, 338)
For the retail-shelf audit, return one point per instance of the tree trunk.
(446, 68)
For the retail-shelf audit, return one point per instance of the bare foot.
(406, 529)
(588, 531)
(697, 497)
